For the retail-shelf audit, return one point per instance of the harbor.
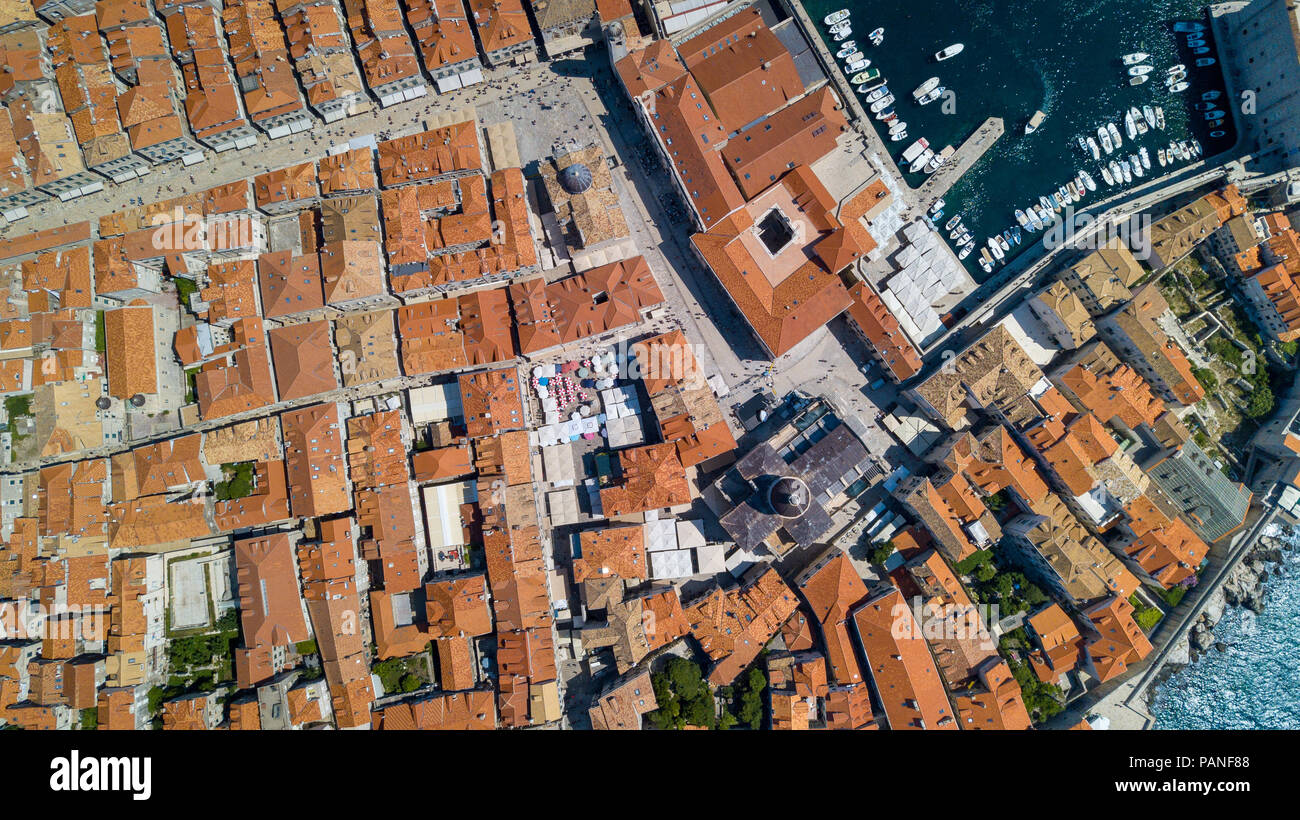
(1075, 127)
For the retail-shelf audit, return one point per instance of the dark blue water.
(1255, 682)
(1059, 57)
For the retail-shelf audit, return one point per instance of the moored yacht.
(1087, 181)
(847, 48)
(925, 88)
(1106, 177)
(949, 52)
(1145, 157)
(1130, 127)
(1149, 114)
(1104, 136)
(1092, 148)
(932, 96)
(1139, 70)
(1160, 117)
(1114, 135)
(835, 17)
(1135, 58)
(841, 35)
(877, 36)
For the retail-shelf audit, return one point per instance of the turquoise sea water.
(1255, 682)
(1059, 57)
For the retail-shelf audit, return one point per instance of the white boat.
(925, 87)
(1114, 135)
(877, 36)
(1045, 204)
(1160, 117)
(835, 16)
(1104, 136)
(1204, 62)
(1195, 42)
(882, 103)
(1035, 223)
(1218, 135)
(1178, 88)
(1176, 78)
(1201, 50)
(1184, 150)
(1106, 177)
(1073, 190)
(896, 126)
(986, 266)
(965, 251)
(842, 35)
(1187, 26)
(1197, 150)
(1175, 69)
(938, 205)
(1044, 215)
(1034, 122)
(858, 65)
(1139, 70)
(1092, 148)
(1149, 114)
(1145, 157)
(996, 248)
(932, 96)
(921, 161)
(1162, 157)
(1021, 218)
(1135, 163)
(898, 137)
(1130, 127)
(1124, 169)
(1137, 80)
(1116, 172)
(888, 115)
(864, 81)
(1004, 241)
(952, 223)
(847, 47)
(949, 52)
(853, 56)
(1088, 181)
(876, 94)
(1135, 58)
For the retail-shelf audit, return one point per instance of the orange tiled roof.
(652, 478)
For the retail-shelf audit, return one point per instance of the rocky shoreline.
(1244, 587)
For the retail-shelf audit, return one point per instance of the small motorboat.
(877, 93)
(1130, 127)
(1197, 150)
(998, 253)
(921, 161)
(1135, 163)
(1178, 88)
(952, 223)
(1211, 95)
(896, 126)
(1124, 169)
(864, 77)
(925, 88)
(1016, 235)
(949, 52)
(1116, 172)
(1088, 181)
(986, 266)
(1092, 148)
(1176, 69)
(1162, 157)
(1044, 204)
(898, 136)
(1188, 26)
(857, 65)
(1214, 124)
(1205, 106)
(1135, 58)
(1213, 115)
(847, 48)
(1137, 80)
(842, 35)
(835, 17)
(1104, 136)
(877, 36)
(1195, 42)
(1139, 70)
(932, 96)
(1160, 117)
(1201, 50)
(1021, 218)
(1034, 121)
(888, 115)
(1005, 240)
(882, 103)
(1145, 157)
(1114, 135)
(853, 57)
(1106, 177)
(965, 251)
(1216, 134)
(938, 205)
(1204, 62)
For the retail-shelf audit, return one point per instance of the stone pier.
(959, 163)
